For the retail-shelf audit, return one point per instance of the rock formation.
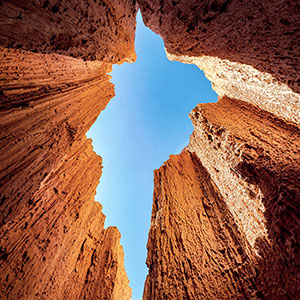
(225, 216)
(88, 29)
(249, 49)
(53, 241)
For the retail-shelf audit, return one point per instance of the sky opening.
(141, 126)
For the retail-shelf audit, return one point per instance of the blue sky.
(145, 123)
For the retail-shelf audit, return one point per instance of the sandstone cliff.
(53, 241)
(225, 216)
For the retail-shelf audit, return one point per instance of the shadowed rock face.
(53, 242)
(225, 218)
(102, 29)
(262, 34)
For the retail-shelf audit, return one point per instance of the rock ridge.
(225, 215)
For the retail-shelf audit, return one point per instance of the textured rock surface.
(248, 49)
(240, 81)
(225, 216)
(262, 34)
(53, 244)
(194, 249)
(102, 29)
(225, 219)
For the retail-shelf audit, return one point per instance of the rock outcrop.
(53, 242)
(226, 211)
(225, 216)
(248, 49)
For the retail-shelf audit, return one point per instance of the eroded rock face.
(53, 244)
(248, 49)
(262, 34)
(242, 163)
(225, 216)
(194, 249)
(246, 83)
(102, 29)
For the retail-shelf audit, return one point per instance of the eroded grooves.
(53, 242)
(225, 219)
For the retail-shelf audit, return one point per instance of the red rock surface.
(200, 241)
(194, 249)
(53, 244)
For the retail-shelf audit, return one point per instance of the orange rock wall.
(195, 250)
(225, 216)
(53, 244)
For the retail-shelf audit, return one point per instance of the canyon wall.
(248, 49)
(53, 244)
(225, 215)
(87, 29)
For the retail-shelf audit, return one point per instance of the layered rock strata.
(53, 244)
(225, 216)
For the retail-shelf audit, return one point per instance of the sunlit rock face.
(225, 216)
(53, 244)
(242, 162)
(254, 160)
(240, 81)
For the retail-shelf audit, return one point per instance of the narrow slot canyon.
(141, 126)
(225, 210)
